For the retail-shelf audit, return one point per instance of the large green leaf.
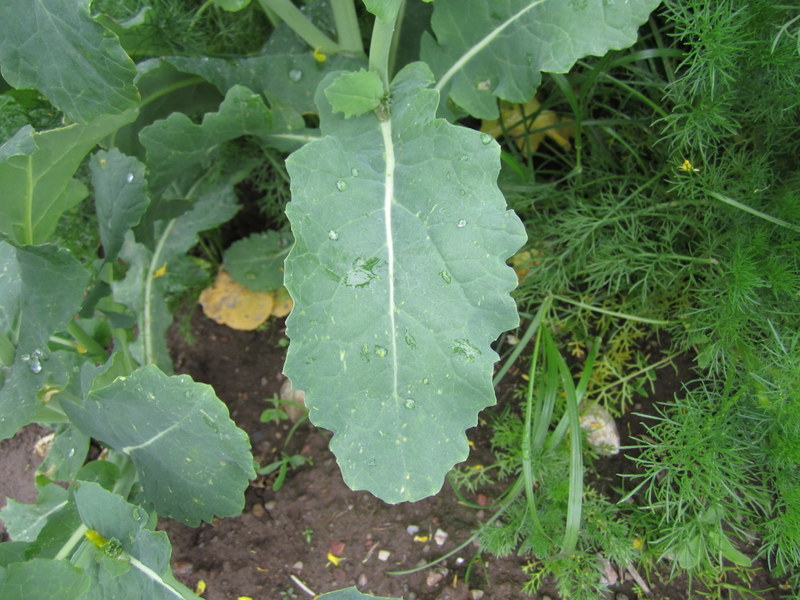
(257, 261)
(55, 47)
(149, 265)
(42, 578)
(24, 521)
(41, 287)
(400, 285)
(36, 175)
(134, 563)
(484, 50)
(192, 460)
(120, 196)
(176, 146)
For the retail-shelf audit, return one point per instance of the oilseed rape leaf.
(36, 175)
(42, 578)
(351, 593)
(41, 287)
(257, 261)
(472, 37)
(56, 47)
(355, 93)
(120, 196)
(192, 460)
(399, 281)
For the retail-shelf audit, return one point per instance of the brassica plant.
(397, 271)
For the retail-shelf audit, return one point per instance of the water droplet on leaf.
(333, 235)
(462, 223)
(464, 157)
(486, 138)
(410, 403)
(446, 276)
(381, 351)
(250, 275)
(129, 177)
(410, 339)
(426, 381)
(295, 75)
(465, 349)
(354, 172)
(341, 185)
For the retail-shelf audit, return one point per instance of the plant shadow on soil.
(282, 540)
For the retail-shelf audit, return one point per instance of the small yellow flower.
(421, 538)
(687, 166)
(200, 588)
(477, 467)
(334, 560)
(160, 272)
(320, 56)
(638, 543)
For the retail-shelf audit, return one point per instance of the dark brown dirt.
(278, 549)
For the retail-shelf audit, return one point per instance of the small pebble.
(440, 537)
(412, 529)
(476, 594)
(383, 555)
(258, 510)
(270, 505)
(298, 566)
(433, 578)
(362, 580)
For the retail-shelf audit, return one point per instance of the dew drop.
(341, 185)
(250, 276)
(381, 352)
(365, 353)
(446, 276)
(426, 381)
(372, 463)
(71, 452)
(462, 223)
(333, 235)
(410, 339)
(354, 172)
(295, 75)
(409, 403)
(129, 177)
(466, 350)
(464, 157)
(486, 139)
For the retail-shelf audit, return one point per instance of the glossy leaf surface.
(192, 460)
(484, 50)
(400, 285)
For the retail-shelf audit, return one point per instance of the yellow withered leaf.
(234, 305)
(513, 118)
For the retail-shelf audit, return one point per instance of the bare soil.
(281, 547)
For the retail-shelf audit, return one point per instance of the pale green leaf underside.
(355, 93)
(56, 48)
(494, 49)
(192, 460)
(400, 285)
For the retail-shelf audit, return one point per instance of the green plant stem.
(344, 15)
(611, 313)
(754, 212)
(301, 25)
(527, 458)
(523, 342)
(663, 362)
(87, 341)
(380, 49)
